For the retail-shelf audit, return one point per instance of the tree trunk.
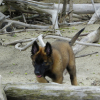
(49, 91)
(80, 8)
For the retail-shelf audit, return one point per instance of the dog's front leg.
(42, 80)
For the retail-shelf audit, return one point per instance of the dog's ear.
(35, 48)
(48, 49)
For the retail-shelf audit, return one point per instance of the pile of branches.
(22, 15)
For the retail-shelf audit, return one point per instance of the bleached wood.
(95, 17)
(51, 91)
(41, 40)
(80, 8)
(91, 37)
(2, 94)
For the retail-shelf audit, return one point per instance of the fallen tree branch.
(21, 24)
(42, 3)
(52, 12)
(41, 40)
(81, 17)
(2, 94)
(91, 37)
(25, 47)
(79, 8)
(51, 91)
(86, 55)
(95, 17)
(73, 23)
(25, 30)
(18, 42)
(68, 39)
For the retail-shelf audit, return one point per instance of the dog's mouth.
(39, 76)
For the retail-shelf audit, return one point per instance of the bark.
(51, 91)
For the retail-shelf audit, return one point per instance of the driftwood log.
(88, 41)
(90, 38)
(95, 17)
(2, 93)
(78, 8)
(51, 91)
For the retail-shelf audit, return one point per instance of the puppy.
(53, 59)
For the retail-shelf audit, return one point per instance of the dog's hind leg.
(58, 79)
(72, 72)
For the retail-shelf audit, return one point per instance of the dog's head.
(41, 58)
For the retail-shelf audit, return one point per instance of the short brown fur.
(63, 58)
(59, 58)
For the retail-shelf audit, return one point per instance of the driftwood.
(51, 91)
(20, 24)
(1, 1)
(51, 9)
(17, 43)
(80, 8)
(73, 23)
(2, 94)
(37, 7)
(91, 37)
(95, 17)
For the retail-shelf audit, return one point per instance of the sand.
(16, 66)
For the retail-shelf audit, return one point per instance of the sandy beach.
(16, 66)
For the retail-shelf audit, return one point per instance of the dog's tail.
(76, 36)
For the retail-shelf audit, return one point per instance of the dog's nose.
(37, 72)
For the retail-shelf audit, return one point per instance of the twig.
(68, 39)
(39, 38)
(25, 47)
(73, 23)
(18, 31)
(32, 4)
(25, 30)
(42, 3)
(86, 55)
(18, 41)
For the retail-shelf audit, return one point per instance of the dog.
(53, 59)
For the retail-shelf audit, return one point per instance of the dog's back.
(62, 51)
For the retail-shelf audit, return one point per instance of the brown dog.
(53, 59)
